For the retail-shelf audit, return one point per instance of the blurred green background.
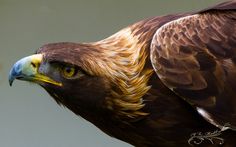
(28, 116)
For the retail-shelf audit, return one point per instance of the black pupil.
(68, 70)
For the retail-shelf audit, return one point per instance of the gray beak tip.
(11, 82)
(11, 78)
(14, 73)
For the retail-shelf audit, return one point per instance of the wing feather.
(195, 57)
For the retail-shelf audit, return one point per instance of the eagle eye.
(69, 71)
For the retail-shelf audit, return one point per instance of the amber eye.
(68, 72)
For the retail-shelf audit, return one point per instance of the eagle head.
(90, 78)
(62, 70)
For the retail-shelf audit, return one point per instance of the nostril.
(33, 64)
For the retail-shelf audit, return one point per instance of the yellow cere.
(35, 61)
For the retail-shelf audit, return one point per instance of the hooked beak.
(27, 69)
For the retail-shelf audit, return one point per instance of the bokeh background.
(28, 116)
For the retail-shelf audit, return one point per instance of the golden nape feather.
(164, 81)
(122, 60)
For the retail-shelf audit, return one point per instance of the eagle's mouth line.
(42, 78)
(38, 78)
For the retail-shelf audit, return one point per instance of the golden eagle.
(163, 81)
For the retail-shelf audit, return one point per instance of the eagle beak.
(27, 69)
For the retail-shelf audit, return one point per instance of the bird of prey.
(164, 81)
